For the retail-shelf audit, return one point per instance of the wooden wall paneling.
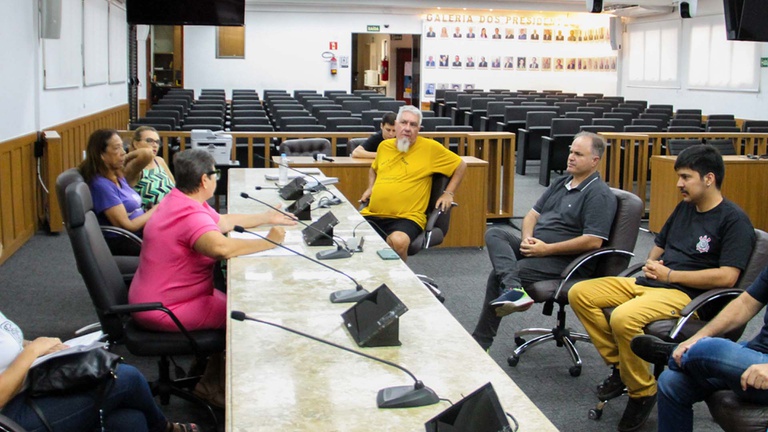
(18, 204)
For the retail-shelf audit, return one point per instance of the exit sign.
(373, 28)
(764, 62)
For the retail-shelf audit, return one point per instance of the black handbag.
(73, 372)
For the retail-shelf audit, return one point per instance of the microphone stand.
(409, 396)
(341, 296)
(340, 252)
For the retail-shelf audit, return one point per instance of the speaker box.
(293, 190)
(50, 19)
(688, 8)
(301, 207)
(615, 32)
(313, 233)
(374, 320)
(594, 6)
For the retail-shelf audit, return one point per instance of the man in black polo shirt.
(368, 149)
(572, 217)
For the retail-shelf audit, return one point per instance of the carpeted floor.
(41, 290)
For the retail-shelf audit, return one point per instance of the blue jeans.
(128, 407)
(711, 364)
(510, 270)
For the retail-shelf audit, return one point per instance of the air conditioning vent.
(634, 11)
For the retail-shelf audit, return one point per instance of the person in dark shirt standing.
(368, 149)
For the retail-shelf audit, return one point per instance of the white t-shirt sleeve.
(11, 342)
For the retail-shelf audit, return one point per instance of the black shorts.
(386, 226)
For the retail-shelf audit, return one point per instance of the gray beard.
(403, 144)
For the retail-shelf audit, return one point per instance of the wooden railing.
(629, 170)
(497, 148)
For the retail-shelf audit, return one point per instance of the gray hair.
(411, 109)
(189, 166)
(598, 143)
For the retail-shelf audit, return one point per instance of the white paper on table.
(83, 343)
(293, 240)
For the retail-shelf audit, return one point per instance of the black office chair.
(305, 147)
(612, 259)
(353, 143)
(675, 146)
(724, 146)
(121, 242)
(109, 295)
(555, 147)
(8, 425)
(538, 124)
(429, 124)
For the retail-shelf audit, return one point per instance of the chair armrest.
(432, 221)
(582, 259)
(547, 138)
(122, 233)
(699, 302)
(155, 306)
(631, 270)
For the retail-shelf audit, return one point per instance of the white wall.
(283, 50)
(25, 106)
(749, 105)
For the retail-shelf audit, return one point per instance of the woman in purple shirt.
(114, 201)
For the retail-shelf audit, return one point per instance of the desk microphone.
(340, 252)
(322, 157)
(391, 397)
(267, 187)
(318, 188)
(342, 296)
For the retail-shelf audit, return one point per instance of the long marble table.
(278, 381)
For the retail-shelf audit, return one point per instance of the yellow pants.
(636, 306)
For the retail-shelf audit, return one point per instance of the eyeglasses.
(152, 141)
(217, 172)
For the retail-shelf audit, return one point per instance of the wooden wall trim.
(18, 203)
(22, 201)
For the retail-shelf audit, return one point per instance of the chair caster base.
(574, 371)
(513, 360)
(595, 414)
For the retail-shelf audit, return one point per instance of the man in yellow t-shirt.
(400, 181)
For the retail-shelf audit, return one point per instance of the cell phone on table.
(388, 254)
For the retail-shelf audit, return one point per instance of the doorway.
(401, 53)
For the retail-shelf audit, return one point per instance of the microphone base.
(348, 296)
(406, 397)
(337, 253)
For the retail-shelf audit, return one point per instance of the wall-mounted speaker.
(688, 8)
(615, 32)
(594, 6)
(50, 19)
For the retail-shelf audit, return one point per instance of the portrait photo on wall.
(430, 62)
(483, 63)
(570, 64)
(559, 37)
(443, 60)
(522, 33)
(533, 64)
(444, 32)
(430, 89)
(469, 63)
(443, 86)
(496, 33)
(431, 32)
(469, 86)
(509, 62)
(547, 37)
(546, 63)
(509, 33)
(535, 34)
(521, 63)
(496, 63)
(471, 33)
(483, 33)
(456, 62)
(559, 64)
(456, 87)
(457, 32)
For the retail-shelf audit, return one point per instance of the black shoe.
(652, 349)
(612, 387)
(636, 413)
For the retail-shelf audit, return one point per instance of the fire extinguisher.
(385, 69)
(334, 65)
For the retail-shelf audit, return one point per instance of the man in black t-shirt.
(368, 149)
(705, 244)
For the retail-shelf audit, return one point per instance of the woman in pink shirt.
(182, 243)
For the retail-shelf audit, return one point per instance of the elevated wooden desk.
(744, 184)
(467, 220)
(278, 381)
